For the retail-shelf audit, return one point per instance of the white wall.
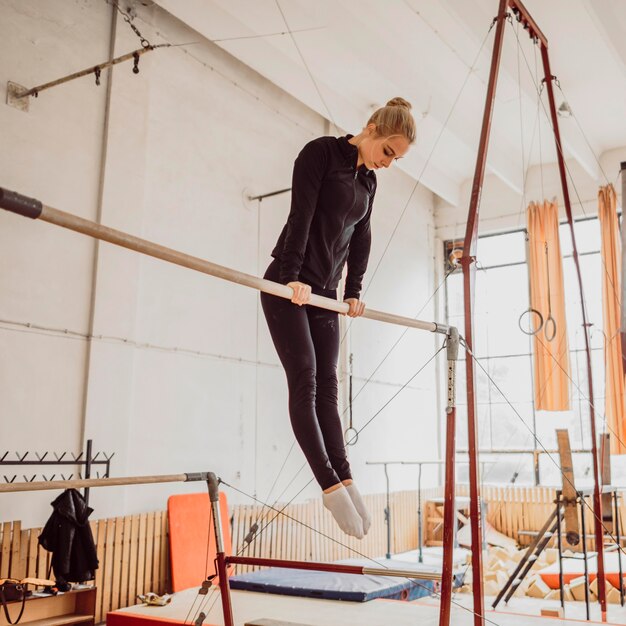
(181, 374)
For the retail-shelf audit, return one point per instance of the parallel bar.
(101, 482)
(597, 502)
(331, 567)
(29, 207)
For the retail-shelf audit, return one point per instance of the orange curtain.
(552, 368)
(611, 308)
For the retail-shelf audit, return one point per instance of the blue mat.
(333, 586)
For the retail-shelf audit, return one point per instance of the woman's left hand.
(356, 307)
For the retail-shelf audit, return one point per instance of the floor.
(250, 606)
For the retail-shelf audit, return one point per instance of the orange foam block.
(190, 526)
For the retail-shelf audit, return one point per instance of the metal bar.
(623, 261)
(90, 70)
(536, 471)
(535, 548)
(559, 543)
(222, 573)
(30, 207)
(619, 547)
(449, 521)
(419, 462)
(87, 469)
(449, 507)
(527, 20)
(468, 262)
(388, 515)
(269, 195)
(528, 564)
(420, 554)
(51, 462)
(331, 567)
(597, 503)
(527, 451)
(102, 482)
(536, 460)
(222, 569)
(581, 499)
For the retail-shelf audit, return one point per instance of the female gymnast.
(328, 226)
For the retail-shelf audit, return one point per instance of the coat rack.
(85, 459)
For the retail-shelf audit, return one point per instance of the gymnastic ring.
(530, 312)
(351, 439)
(551, 323)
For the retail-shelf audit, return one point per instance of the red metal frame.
(309, 565)
(306, 565)
(448, 522)
(469, 279)
(223, 562)
(597, 500)
(222, 574)
(449, 511)
(449, 507)
(469, 272)
(528, 22)
(469, 275)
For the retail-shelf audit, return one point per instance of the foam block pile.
(500, 563)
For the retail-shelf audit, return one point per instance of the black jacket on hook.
(329, 221)
(67, 534)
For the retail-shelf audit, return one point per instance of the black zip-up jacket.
(68, 536)
(329, 220)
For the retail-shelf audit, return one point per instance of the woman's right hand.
(301, 293)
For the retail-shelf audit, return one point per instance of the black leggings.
(307, 341)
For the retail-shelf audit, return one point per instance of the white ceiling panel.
(343, 57)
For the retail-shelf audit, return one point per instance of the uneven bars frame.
(35, 209)
(222, 560)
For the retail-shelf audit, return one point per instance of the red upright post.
(222, 571)
(597, 500)
(449, 508)
(469, 277)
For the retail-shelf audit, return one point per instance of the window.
(506, 419)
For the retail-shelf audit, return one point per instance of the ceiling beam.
(287, 72)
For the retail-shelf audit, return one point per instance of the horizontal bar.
(522, 451)
(420, 462)
(29, 207)
(528, 19)
(90, 70)
(331, 567)
(14, 463)
(269, 195)
(103, 482)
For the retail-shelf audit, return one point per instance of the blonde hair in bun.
(394, 119)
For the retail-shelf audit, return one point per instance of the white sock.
(359, 505)
(339, 503)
